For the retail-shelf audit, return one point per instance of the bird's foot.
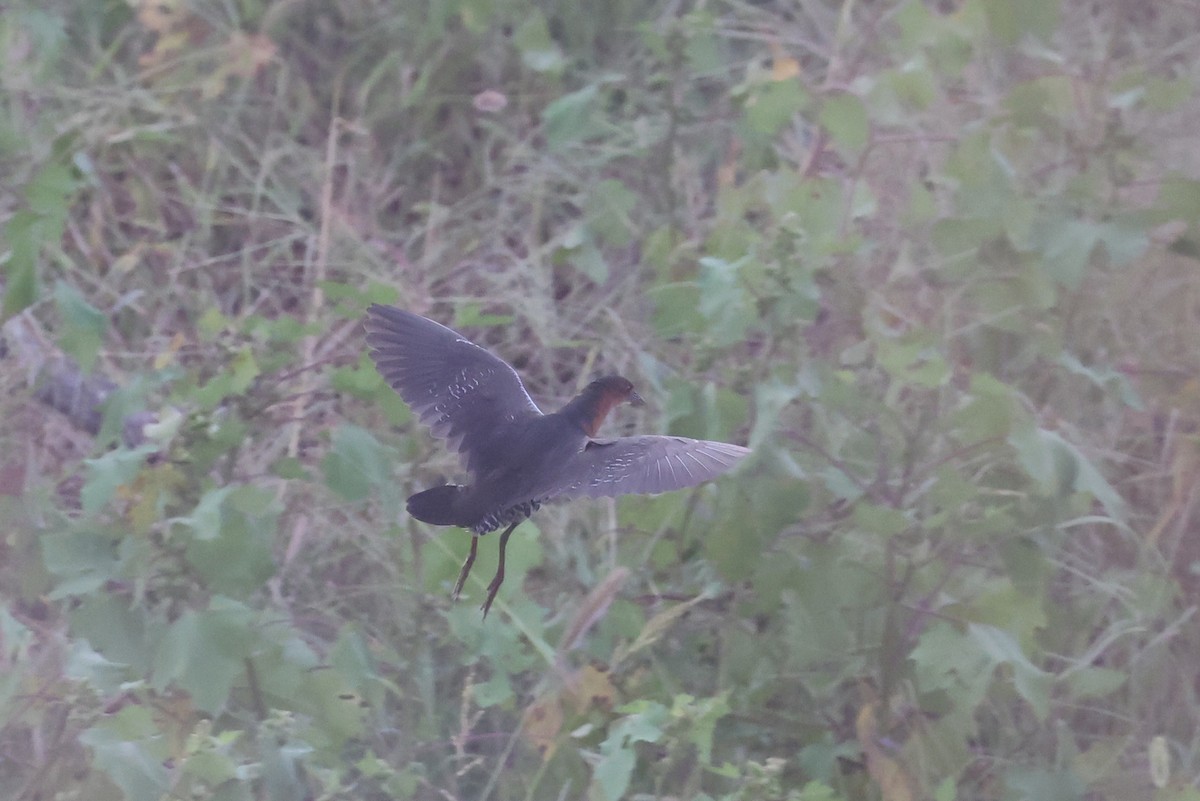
(466, 569)
(498, 579)
(492, 589)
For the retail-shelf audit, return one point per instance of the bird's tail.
(440, 506)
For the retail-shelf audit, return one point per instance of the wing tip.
(724, 450)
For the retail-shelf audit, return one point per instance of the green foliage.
(935, 265)
(39, 223)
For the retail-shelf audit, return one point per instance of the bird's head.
(598, 399)
(615, 390)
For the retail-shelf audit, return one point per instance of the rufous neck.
(589, 408)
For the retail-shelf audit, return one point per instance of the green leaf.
(909, 88)
(1041, 102)
(205, 520)
(944, 659)
(356, 463)
(16, 641)
(751, 514)
(1179, 199)
(774, 105)
(823, 756)
(496, 690)
(335, 704)
(1066, 246)
(83, 559)
(1013, 19)
(282, 766)
(351, 657)
(845, 118)
(1123, 241)
(105, 474)
(1095, 682)
(589, 260)
(1034, 784)
(83, 325)
(24, 233)
(1167, 94)
(1001, 603)
(1059, 468)
(125, 402)
(472, 315)
(826, 584)
(988, 411)
(41, 223)
(1106, 378)
(723, 301)
(644, 722)
(1046, 458)
(1027, 567)
(570, 118)
(947, 790)
(49, 192)
(884, 521)
(216, 769)
(87, 665)
(243, 370)
(1001, 648)
(240, 558)
(128, 748)
(609, 212)
(538, 50)
(112, 627)
(914, 359)
(702, 717)
(41, 33)
(675, 308)
(613, 772)
(291, 468)
(961, 237)
(204, 652)
(705, 46)
(359, 379)
(771, 397)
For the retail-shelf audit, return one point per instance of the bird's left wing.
(461, 391)
(643, 465)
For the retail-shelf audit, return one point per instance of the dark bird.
(519, 458)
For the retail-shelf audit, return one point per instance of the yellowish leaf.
(783, 66)
(591, 687)
(159, 15)
(246, 54)
(893, 780)
(541, 724)
(167, 357)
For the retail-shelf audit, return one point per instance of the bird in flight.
(517, 457)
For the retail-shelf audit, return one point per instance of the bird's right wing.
(644, 465)
(458, 389)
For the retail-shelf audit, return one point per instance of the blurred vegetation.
(935, 261)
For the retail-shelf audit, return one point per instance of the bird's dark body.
(511, 462)
(519, 458)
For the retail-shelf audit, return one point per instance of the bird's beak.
(636, 399)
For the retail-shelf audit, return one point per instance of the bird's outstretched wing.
(461, 391)
(643, 465)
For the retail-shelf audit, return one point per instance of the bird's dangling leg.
(498, 579)
(466, 568)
